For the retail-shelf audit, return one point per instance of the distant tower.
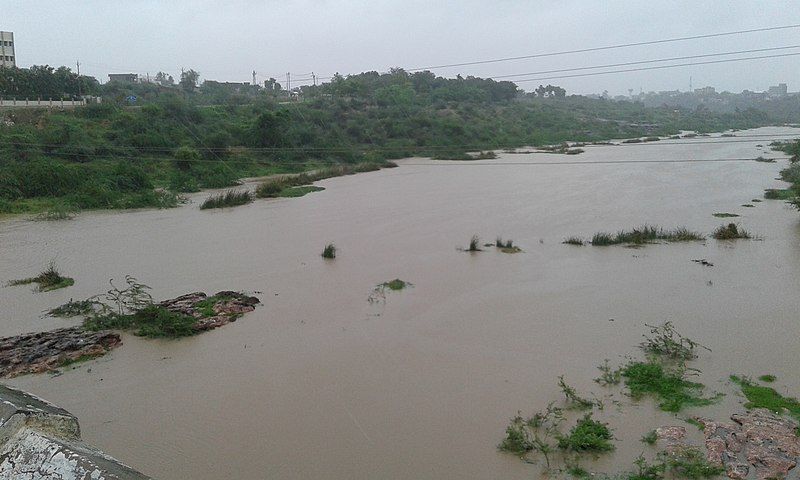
(7, 57)
(690, 85)
(254, 78)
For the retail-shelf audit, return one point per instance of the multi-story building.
(7, 56)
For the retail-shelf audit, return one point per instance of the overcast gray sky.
(227, 40)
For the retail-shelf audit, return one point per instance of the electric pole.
(79, 78)
(314, 77)
(289, 85)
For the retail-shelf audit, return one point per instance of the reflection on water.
(319, 383)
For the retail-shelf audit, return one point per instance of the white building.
(7, 56)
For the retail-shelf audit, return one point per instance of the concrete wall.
(41, 441)
(42, 103)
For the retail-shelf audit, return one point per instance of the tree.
(164, 79)
(189, 79)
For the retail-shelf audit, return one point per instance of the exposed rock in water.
(212, 312)
(758, 440)
(46, 351)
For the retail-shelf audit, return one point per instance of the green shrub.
(588, 435)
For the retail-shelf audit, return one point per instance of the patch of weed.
(670, 387)
(759, 396)
(229, 198)
(588, 435)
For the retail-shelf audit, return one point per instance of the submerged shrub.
(474, 244)
(573, 241)
(329, 251)
(646, 234)
(730, 232)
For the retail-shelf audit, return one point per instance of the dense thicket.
(113, 155)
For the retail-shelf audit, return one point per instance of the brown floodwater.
(320, 383)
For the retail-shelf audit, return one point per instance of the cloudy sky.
(227, 40)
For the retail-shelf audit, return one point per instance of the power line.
(646, 61)
(659, 67)
(609, 47)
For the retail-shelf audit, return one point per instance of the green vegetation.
(759, 396)
(573, 241)
(58, 211)
(779, 194)
(150, 321)
(73, 308)
(650, 437)
(730, 232)
(573, 400)
(767, 378)
(665, 341)
(588, 435)
(608, 376)
(229, 198)
(293, 192)
(691, 463)
(48, 279)
(646, 470)
(725, 215)
(329, 251)
(748, 205)
(179, 137)
(645, 234)
(692, 421)
(668, 385)
(395, 284)
(765, 160)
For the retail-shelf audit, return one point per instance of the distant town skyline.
(304, 36)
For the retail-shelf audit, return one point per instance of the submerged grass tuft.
(645, 234)
(650, 437)
(725, 215)
(229, 198)
(474, 244)
(779, 194)
(767, 378)
(573, 241)
(730, 232)
(48, 279)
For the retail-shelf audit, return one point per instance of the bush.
(329, 251)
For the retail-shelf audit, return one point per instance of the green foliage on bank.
(174, 140)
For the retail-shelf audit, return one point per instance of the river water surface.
(320, 383)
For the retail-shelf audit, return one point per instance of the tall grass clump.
(229, 198)
(573, 241)
(474, 244)
(48, 279)
(329, 251)
(646, 234)
(730, 232)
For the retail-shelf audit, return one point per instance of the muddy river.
(320, 383)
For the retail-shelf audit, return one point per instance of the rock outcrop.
(212, 312)
(758, 440)
(41, 441)
(46, 351)
(758, 444)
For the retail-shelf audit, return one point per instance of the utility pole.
(314, 77)
(289, 85)
(79, 78)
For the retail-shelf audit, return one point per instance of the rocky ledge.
(46, 351)
(758, 444)
(212, 312)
